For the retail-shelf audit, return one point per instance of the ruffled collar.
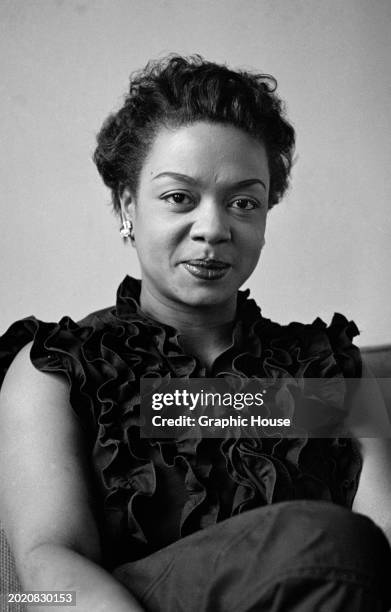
(248, 315)
(128, 304)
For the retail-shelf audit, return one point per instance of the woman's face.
(199, 215)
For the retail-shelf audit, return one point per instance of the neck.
(204, 331)
(185, 318)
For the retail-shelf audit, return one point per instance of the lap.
(299, 555)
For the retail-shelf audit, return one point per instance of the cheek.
(155, 246)
(251, 242)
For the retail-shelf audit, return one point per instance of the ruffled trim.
(107, 354)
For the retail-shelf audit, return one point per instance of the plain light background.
(65, 65)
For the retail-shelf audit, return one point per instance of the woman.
(195, 159)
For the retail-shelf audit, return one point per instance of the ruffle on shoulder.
(148, 482)
(59, 348)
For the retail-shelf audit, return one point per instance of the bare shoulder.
(34, 402)
(44, 476)
(23, 377)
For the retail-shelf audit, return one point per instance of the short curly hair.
(176, 91)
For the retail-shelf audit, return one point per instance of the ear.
(127, 213)
(127, 204)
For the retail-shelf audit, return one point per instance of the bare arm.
(45, 502)
(373, 497)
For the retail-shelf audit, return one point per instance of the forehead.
(214, 151)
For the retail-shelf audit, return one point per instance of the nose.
(211, 223)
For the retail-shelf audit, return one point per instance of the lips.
(208, 263)
(207, 269)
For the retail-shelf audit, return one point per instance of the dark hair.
(177, 91)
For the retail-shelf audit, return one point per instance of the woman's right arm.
(45, 500)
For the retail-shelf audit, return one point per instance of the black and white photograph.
(195, 323)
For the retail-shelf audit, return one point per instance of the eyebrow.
(193, 181)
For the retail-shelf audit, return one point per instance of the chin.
(207, 297)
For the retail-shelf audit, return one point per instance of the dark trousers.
(293, 556)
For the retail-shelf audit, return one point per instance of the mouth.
(207, 269)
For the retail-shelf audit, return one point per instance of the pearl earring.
(126, 229)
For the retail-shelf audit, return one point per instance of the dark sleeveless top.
(150, 492)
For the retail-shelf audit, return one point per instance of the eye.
(244, 204)
(178, 198)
